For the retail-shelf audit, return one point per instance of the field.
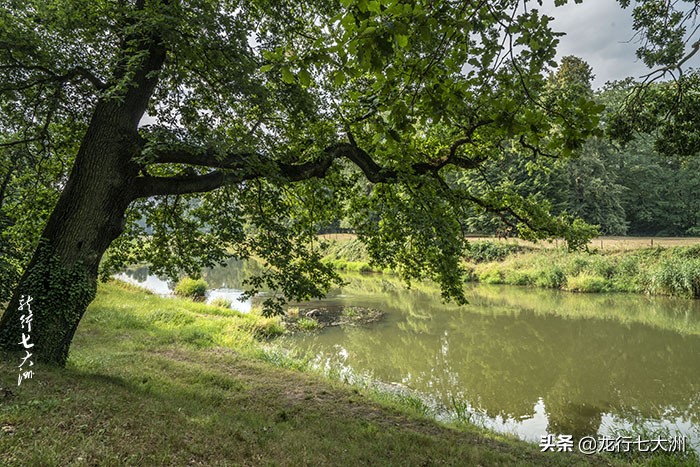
(601, 243)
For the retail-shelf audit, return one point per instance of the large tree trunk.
(61, 277)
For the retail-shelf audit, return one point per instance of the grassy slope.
(154, 381)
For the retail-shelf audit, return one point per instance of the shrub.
(586, 282)
(518, 277)
(221, 302)
(577, 265)
(491, 275)
(191, 288)
(629, 275)
(483, 252)
(553, 277)
(603, 266)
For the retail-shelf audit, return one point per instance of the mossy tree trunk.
(61, 278)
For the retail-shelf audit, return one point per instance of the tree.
(584, 186)
(667, 34)
(265, 115)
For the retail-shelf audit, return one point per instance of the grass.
(349, 255)
(221, 302)
(655, 271)
(601, 243)
(307, 324)
(157, 381)
(192, 288)
(622, 264)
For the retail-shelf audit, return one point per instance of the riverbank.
(671, 271)
(156, 381)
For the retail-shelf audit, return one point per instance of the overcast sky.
(599, 31)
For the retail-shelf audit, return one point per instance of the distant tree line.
(639, 176)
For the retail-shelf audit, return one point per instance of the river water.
(524, 361)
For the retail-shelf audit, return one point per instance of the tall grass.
(191, 288)
(655, 271)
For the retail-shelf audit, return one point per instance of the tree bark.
(61, 278)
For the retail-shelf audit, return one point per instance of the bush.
(577, 265)
(553, 277)
(483, 252)
(586, 282)
(518, 277)
(604, 266)
(491, 275)
(191, 288)
(221, 302)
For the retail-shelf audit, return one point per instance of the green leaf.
(287, 76)
(304, 78)
(402, 41)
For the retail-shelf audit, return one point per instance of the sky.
(600, 32)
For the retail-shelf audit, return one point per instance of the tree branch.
(156, 186)
(78, 71)
(236, 167)
(660, 72)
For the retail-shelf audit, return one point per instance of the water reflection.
(533, 361)
(224, 282)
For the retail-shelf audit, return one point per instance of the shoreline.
(666, 271)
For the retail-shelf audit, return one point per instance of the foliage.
(191, 288)
(221, 302)
(640, 188)
(656, 271)
(663, 27)
(491, 275)
(484, 251)
(586, 282)
(664, 110)
(404, 94)
(349, 250)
